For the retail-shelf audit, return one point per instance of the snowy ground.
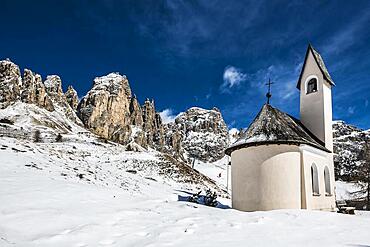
(345, 190)
(216, 171)
(39, 206)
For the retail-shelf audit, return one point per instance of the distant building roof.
(272, 126)
(320, 63)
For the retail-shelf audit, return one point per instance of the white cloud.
(168, 116)
(366, 103)
(232, 77)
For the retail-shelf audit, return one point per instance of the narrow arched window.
(315, 180)
(312, 86)
(327, 181)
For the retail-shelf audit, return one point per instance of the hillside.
(48, 203)
(349, 142)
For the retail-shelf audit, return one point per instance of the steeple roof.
(320, 63)
(272, 126)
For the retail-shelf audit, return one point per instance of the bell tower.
(315, 86)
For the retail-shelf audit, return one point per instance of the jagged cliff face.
(72, 98)
(30, 89)
(34, 92)
(105, 109)
(111, 111)
(10, 83)
(53, 86)
(202, 134)
(349, 143)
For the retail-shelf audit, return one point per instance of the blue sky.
(197, 53)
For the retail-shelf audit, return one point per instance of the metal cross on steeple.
(268, 95)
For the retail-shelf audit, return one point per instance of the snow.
(233, 135)
(107, 79)
(52, 82)
(345, 190)
(28, 116)
(39, 207)
(257, 138)
(217, 171)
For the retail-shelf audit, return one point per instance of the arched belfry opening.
(312, 86)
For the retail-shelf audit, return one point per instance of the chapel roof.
(320, 63)
(272, 126)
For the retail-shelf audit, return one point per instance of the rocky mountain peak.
(105, 110)
(53, 85)
(111, 111)
(198, 119)
(341, 128)
(34, 92)
(72, 97)
(136, 112)
(203, 133)
(349, 143)
(9, 70)
(10, 82)
(113, 83)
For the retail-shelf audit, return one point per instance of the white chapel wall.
(266, 177)
(320, 159)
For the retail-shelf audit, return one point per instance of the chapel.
(281, 162)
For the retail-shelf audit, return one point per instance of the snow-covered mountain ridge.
(349, 144)
(203, 133)
(111, 111)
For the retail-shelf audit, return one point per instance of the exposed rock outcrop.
(105, 110)
(34, 92)
(202, 134)
(136, 112)
(31, 90)
(10, 83)
(53, 86)
(111, 111)
(72, 97)
(349, 143)
(152, 125)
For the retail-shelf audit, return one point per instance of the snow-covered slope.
(90, 160)
(349, 142)
(41, 207)
(26, 118)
